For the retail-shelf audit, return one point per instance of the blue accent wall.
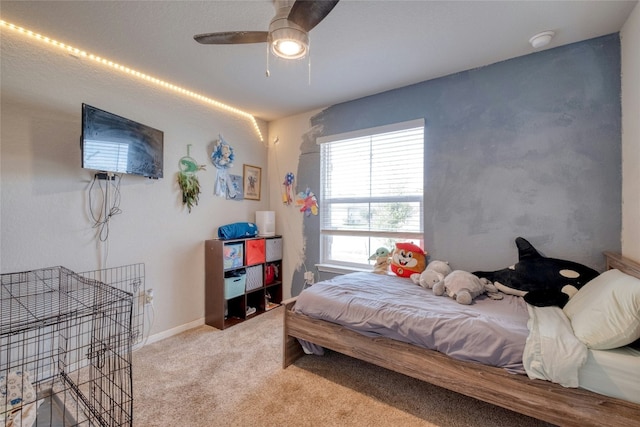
(527, 147)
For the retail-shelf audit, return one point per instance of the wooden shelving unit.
(241, 274)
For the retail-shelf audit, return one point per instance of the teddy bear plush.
(464, 287)
(408, 259)
(382, 256)
(436, 271)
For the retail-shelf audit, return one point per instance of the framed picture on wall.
(252, 182)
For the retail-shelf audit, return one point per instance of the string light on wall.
(130, 71)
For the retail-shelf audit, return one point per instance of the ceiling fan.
(288, 30)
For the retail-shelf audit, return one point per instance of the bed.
(497, 385)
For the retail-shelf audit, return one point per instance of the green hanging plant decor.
(188, 181)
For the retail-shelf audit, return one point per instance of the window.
(371, 192)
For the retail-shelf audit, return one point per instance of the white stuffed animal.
(435, 272)
(464, 287)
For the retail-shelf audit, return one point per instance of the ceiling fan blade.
(232, 37)
(308, 13)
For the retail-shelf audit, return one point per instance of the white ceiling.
(361, 48)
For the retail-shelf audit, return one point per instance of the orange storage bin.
(255, 251)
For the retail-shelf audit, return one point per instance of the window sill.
(339, 269)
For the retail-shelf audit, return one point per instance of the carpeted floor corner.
(207, 377)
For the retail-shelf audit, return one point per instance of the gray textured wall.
(527, 147)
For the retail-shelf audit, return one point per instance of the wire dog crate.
(129, 278)
(65, 350)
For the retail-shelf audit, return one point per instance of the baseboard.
(174, 331)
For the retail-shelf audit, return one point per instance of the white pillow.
(605, 313)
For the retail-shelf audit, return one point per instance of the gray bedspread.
(492, 332)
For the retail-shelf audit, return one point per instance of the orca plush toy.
(541, 281)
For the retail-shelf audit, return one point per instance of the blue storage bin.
(234, 285)
(233, 255)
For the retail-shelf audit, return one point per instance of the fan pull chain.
(267, 73)
(309, 61)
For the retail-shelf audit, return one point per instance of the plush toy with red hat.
(408, 259)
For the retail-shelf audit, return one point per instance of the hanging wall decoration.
(222, 158)
(234, 187)
(187, 179)
(287, 188)
(307, 202)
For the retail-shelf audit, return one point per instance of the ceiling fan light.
(288, 48)
(289, 43)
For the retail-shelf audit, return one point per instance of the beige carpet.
(207, 377)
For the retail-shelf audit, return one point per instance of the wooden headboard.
(626, 265)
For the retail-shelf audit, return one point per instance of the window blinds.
(373, 184)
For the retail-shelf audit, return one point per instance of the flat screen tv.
(111, 143)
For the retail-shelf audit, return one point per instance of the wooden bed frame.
(536, 398)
